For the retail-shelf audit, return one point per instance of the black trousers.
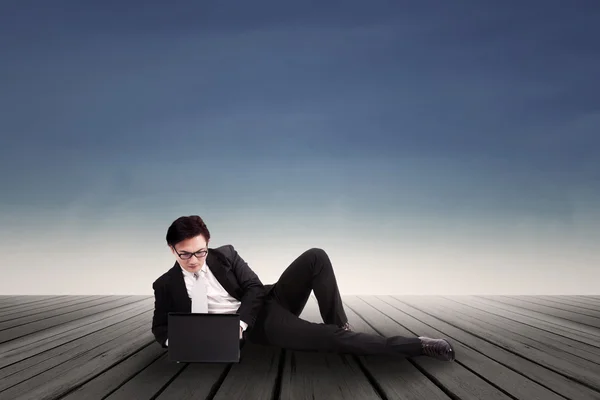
(278, 323)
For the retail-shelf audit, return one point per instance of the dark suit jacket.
(229, 269)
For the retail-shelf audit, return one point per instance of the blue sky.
(303, 124)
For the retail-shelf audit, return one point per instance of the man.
(269, 314)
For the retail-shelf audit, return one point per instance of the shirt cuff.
(167, 342)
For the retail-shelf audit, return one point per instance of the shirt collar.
(190, 274)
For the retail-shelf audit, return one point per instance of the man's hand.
(241, 332)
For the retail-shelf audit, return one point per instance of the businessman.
(219, 280)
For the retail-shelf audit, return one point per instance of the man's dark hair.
(186, 227)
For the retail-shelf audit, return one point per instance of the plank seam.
(56, 315)
(217, 385)
(79, 385)
(82, 354)
(518, 336)
(524, 299)
(482, 300)
(280, 367)
(77, 338)
(26, 312)
(510, 318)
(52, 326)
(523, 307)
(435, 381)
(2, 307)
(494, 344)
(372, 380)
(164, 387)
(584, 306)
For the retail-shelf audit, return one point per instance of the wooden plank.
(58, 381)
(590, 297)
(453, 378)
(516, 331)
(129, 366)
(196, 381)
(393, 377)
(42, 306)
(24, 369)
(396, 377)
(34, 326)
(309, 375)
(559, 306)
(68, 338)
(110, 379)
(20, 296)
(533, 349)
(25, 318)
(7, 311)
(20, 300)
(573, 334)
(522, 378)
(36, 301)
(149, 381)
(582, 300)
(571, 302)
(254, 377)
(587, 297)
(70, 328)
(588, 331)
(304, 372)
(566, 315)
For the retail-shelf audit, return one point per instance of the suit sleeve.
(254, 290)
(160, 317)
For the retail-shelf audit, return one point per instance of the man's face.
(187, 247)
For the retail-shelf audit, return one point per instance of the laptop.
(203, 338)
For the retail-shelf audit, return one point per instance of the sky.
(430, 147)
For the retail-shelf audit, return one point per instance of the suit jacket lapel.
(222, 272)
(180, 293)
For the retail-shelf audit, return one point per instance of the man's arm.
(254, 290)
(160, 317)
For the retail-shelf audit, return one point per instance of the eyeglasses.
(187, 256)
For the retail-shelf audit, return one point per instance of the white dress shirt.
(219, 300)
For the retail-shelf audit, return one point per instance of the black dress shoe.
(440, 349)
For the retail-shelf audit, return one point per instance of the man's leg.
(312, 270)
(278, 323)
(277, 326)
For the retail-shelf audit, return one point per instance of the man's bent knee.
(318, 253)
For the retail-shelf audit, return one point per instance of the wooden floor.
(101, 347)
